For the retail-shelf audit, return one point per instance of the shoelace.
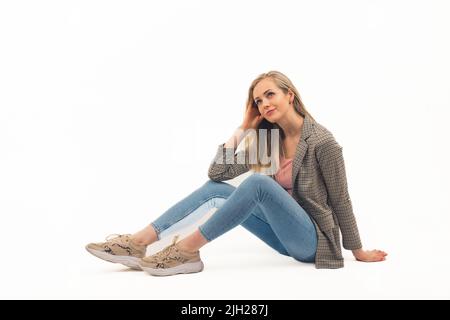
(164, 254)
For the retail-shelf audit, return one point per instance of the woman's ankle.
(141, 242)
(193, 242)
(145, 237)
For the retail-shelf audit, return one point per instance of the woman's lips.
(268, 113)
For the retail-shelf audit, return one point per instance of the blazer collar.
(302, 146)
(307, 127)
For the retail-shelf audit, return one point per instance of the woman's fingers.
(378, 255)
(381, 257)
(373, 256)
(381, 252)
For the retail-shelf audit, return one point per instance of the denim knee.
(257, 180)
(258, 183)
(211, 184)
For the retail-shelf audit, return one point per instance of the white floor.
(44, 255)
(248, 271)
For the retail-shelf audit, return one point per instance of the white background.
(111, 111)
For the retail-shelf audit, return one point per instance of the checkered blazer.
(319, 187)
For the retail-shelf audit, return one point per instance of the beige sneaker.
(119, 249)
(172, 260)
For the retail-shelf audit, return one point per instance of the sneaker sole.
(131, 262)
(191, 267)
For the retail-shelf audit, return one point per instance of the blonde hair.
(285, 85)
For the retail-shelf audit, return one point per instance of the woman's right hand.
(252, 117)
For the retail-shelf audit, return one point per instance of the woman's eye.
(268, 94)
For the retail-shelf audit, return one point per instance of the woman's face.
(271, 101)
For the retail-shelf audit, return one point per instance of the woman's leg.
(257, 224)
(128, 250)
(185, 212)
(258, 201)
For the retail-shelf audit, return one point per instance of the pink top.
(284, 174)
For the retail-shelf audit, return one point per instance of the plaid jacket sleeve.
(220, 169)
(331, 162)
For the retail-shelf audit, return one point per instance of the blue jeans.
(259, 204)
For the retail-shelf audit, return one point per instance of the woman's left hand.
(369, 255)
